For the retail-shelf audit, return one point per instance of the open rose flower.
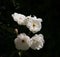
(37, 41)
(33, 24)
(22, 42)
(19, 18)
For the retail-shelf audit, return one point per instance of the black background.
(48, 10)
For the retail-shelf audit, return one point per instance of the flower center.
(34, 25)
(23, 41)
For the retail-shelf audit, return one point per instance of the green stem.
(14, 2)
(19, 54)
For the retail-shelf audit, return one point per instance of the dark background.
(48, 10)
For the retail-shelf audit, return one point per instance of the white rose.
(37, 41)
(22, 42)
(19, 18)
(33, 24)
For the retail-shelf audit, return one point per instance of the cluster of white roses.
(24, 42)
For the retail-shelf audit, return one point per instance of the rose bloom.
(33, 24)
(37, 41)
(19, 18)
(22, 42)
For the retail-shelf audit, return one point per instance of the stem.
(14, 2)
(19, 54)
